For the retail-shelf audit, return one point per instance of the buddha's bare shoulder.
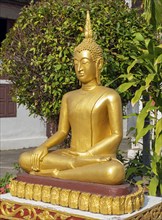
(71, 93)
(109, 93)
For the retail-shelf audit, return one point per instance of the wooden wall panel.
(7, 106)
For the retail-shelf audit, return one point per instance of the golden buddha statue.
(93, 113)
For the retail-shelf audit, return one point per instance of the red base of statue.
(93, 188)
(92, 197)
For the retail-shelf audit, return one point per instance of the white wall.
(21, 131)
(129, 2)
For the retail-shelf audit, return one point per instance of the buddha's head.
(88, 56)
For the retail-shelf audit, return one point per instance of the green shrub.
(148, 83)
(37, 54)
(4, 183)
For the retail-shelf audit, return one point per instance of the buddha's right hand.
(38, 154)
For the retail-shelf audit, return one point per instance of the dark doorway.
(5, 25)
(3, 29)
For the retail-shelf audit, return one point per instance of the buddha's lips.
(80, 75)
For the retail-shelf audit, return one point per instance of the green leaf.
(125, 86)
(142, 115)
(139, 37)
(158, 127)
(150, 46)
(58, 67)
(132, 65)
(160, 46)
(158, 12)
(140, 182)
(149, 79)
(158, 144)
(143, 132)
(130, 171)
(154, 164)
(161, 188)
(158, 60)
(147, 42)
(153, 186)
(150, 67)
(122, 57)
(137, 96)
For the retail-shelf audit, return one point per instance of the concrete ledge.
(152, 210)
(19, 143)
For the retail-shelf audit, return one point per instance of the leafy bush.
(136, 172)
(135, 168)
(148, 83)
(37, 54)
(4, 183)
(5, 180)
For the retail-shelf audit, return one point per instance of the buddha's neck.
(90, 85)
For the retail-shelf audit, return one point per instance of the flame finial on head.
(88, 43)
(88, 29)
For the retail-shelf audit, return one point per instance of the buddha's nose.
(79, 67)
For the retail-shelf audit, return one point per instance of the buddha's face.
(85, 67)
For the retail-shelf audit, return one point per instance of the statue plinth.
(96, 198)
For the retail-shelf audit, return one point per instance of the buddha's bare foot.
(55, 173)
(32, 172)
(47, 172)
(35, 173)
(104, 159)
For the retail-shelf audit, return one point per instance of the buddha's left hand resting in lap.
(93, 113)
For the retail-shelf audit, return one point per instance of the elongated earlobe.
(98, 77)
(99, 65)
